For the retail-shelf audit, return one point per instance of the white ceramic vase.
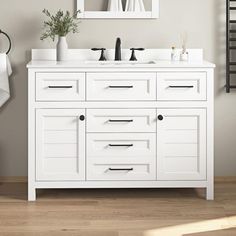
(135, 5)
(62, 49)
(115, 5)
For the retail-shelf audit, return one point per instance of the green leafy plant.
(60, 24)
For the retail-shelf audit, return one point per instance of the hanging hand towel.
(5, 72)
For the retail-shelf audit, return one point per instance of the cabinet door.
(181, 144)
(60, 145)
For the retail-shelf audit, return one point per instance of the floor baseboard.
(24, 179)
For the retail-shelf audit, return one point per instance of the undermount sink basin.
(120, 62)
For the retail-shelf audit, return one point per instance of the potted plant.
(60, 25)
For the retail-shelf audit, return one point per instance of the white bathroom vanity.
(120, 125)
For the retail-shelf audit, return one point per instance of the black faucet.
(118, 50)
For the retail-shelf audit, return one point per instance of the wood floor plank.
(136, 212)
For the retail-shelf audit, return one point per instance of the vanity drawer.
(121, 145)
(121, 120)
(182, 86)
(121, 86)
(117, 170)
(60, 86)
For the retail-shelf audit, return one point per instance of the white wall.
(202, 19)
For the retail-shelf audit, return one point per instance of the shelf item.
(135, 6)
(138, 12)
(115, 6)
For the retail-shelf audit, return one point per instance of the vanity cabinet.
(123, 127)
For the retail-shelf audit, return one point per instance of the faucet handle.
(102, 57)
(133, 57)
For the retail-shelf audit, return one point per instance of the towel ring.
(9, 49)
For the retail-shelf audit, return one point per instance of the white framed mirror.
(118, 9)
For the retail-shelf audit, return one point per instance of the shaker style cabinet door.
(60, 144)
(181, 144)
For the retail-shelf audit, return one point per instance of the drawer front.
(182, 86)
(120, 145)
(121, 86)
(60, 86)
(117, 170)
(121, 120)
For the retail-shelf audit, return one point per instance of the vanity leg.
(210, 192)
(31, 194)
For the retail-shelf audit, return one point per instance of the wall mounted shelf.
(150, 14)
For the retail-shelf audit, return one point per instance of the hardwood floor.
(152, 212)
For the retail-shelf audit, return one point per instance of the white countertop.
(82, 64)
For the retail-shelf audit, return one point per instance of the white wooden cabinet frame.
(120, 128)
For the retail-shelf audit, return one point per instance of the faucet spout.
(118, 50)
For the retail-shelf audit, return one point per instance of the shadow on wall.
(220, 46)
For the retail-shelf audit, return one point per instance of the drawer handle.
(121, 169)
(121, 121)
(120, 145)
(181, 86)
(114, 87)
(56, 87)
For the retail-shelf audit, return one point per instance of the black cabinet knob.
(160, 117)
(82, 117)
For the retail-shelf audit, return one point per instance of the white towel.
(135, 5)
(5, 72)
(115, 5)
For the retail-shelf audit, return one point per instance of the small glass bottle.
(174, 55)
(184, 54)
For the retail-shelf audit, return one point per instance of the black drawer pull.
(64, 87)
(121, 169)
(128, 86)
(181, 86)
(120, 145)
(121, 121)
